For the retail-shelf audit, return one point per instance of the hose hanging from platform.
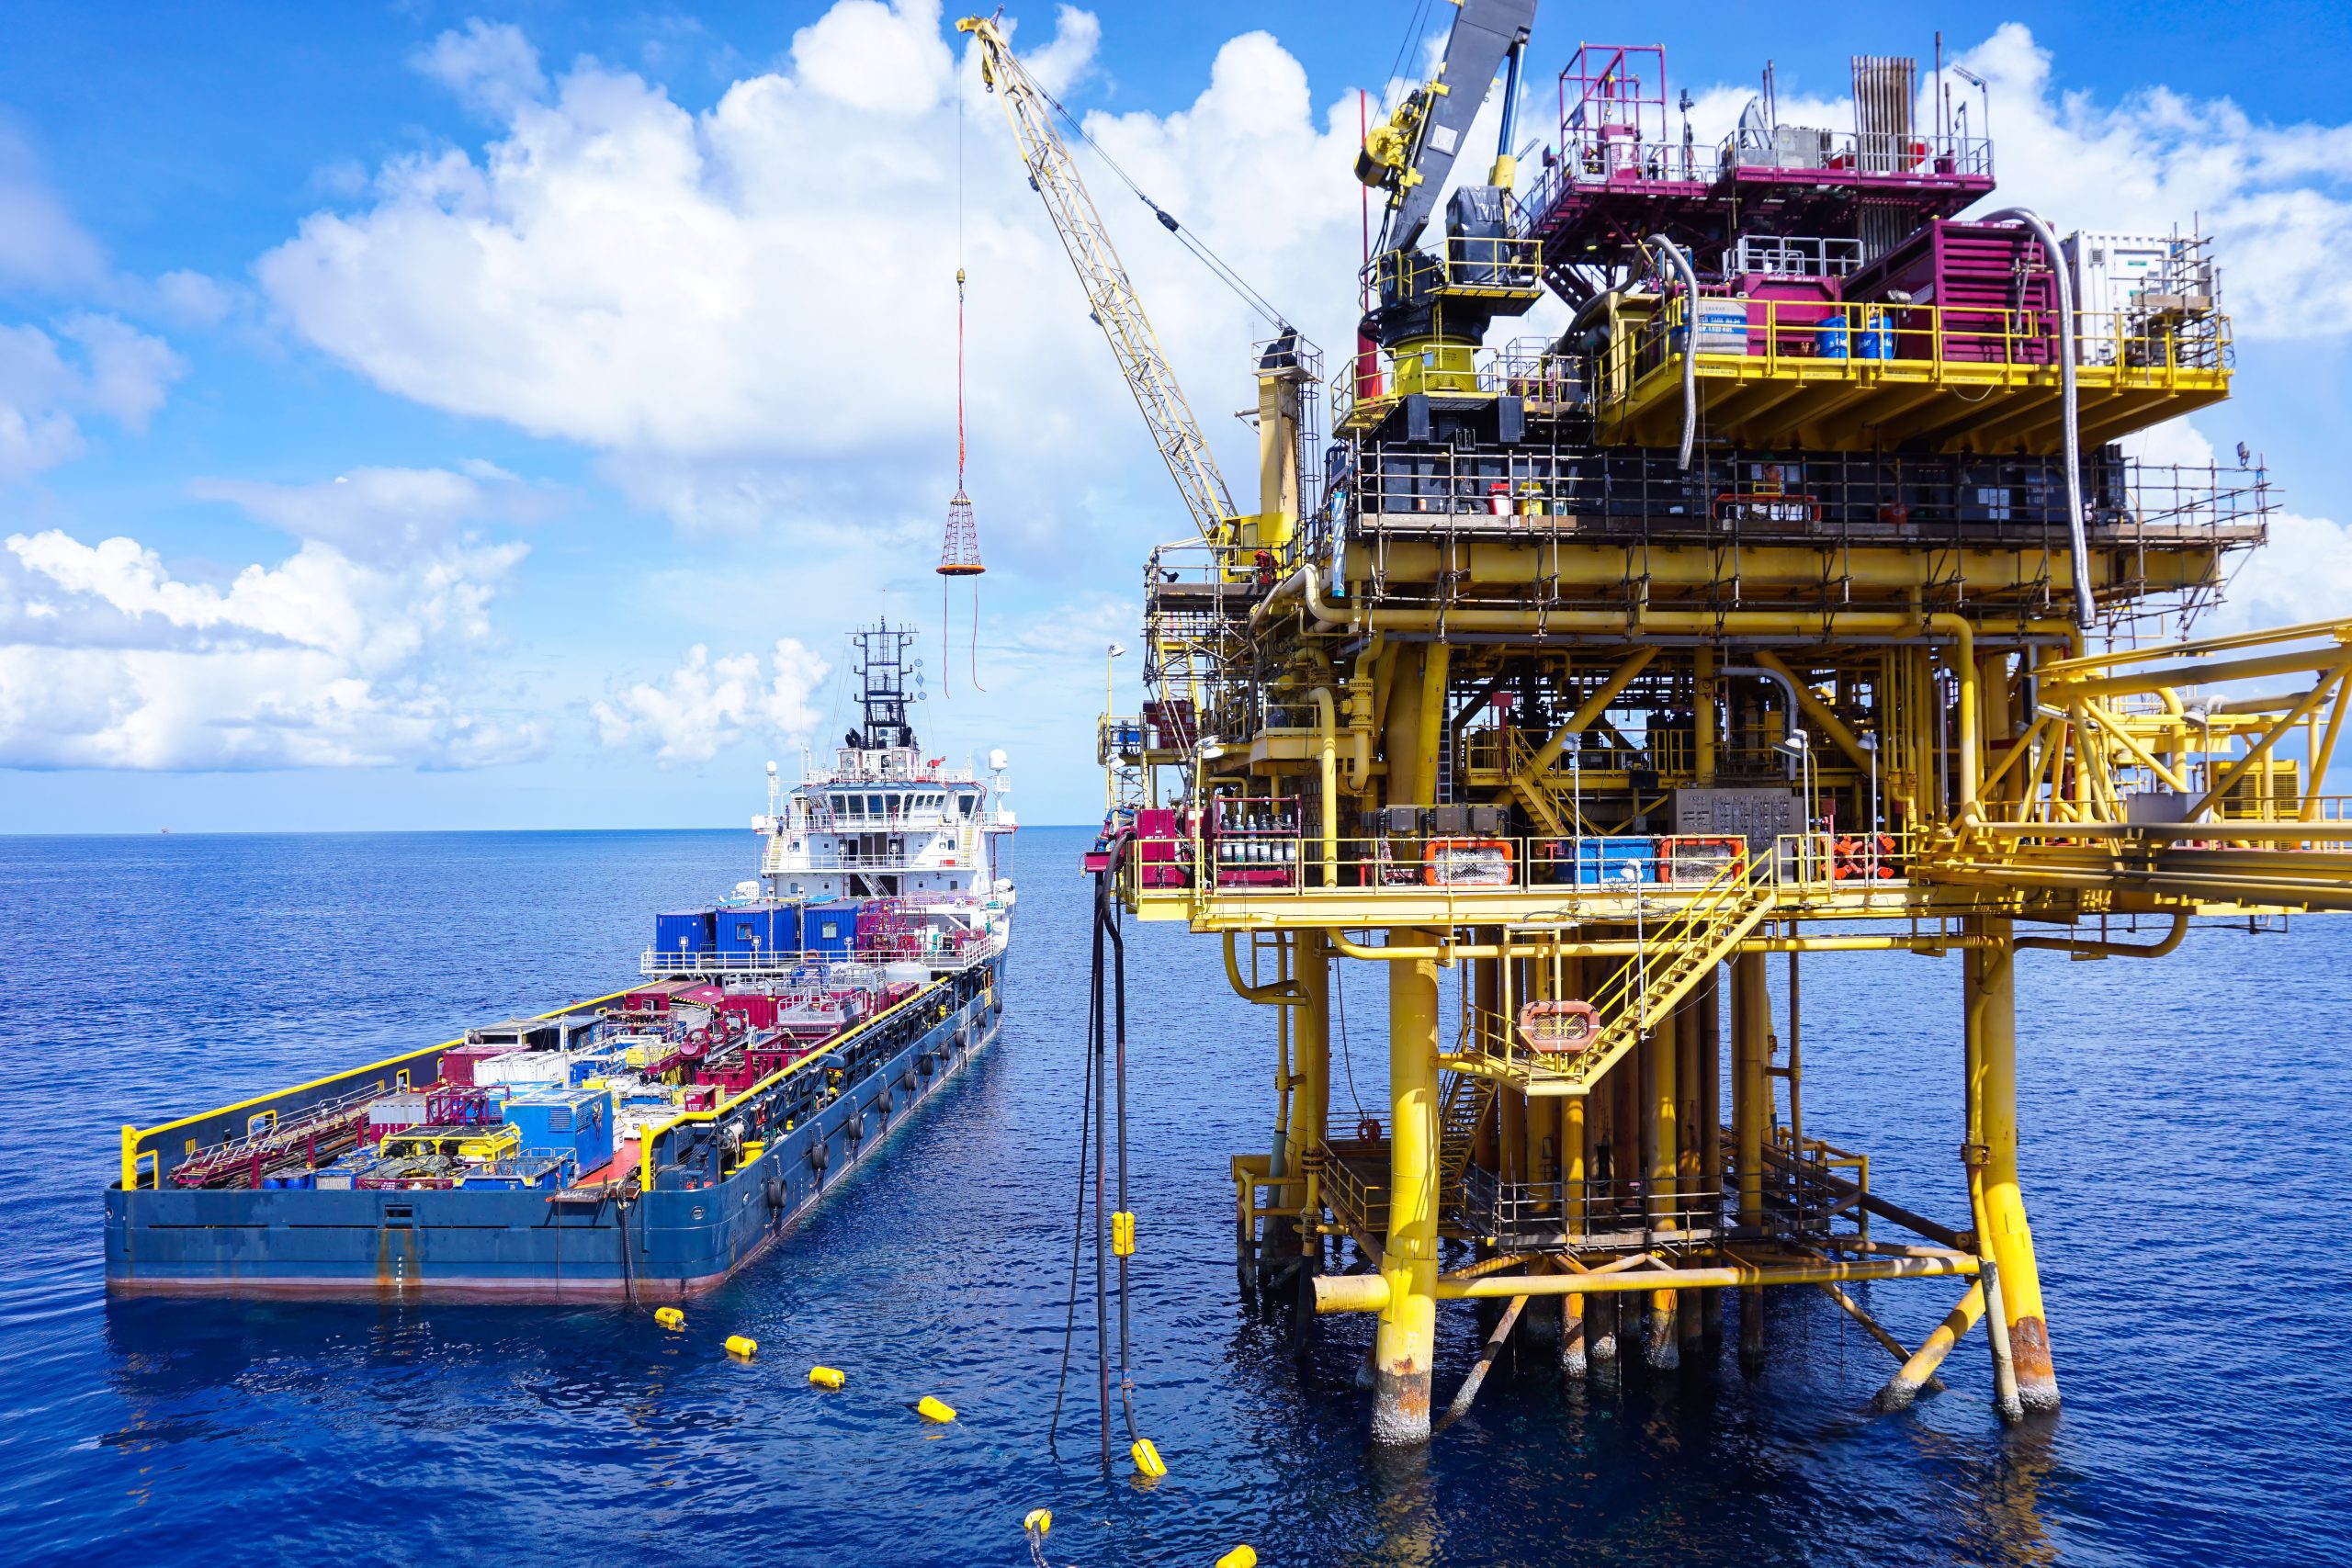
(1105, 1076)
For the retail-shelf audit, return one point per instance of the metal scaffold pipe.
(1372, 1292)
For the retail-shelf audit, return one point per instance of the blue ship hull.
(683, 1236)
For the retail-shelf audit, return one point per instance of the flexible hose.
(2067, 349)
(1689, 343)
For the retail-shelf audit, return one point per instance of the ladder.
(1675, 959)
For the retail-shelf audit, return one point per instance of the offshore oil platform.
(1799, 597)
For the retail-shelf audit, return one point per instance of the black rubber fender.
(907, 1080)
(820, 1155)
(855, 1128)
(775, 1192)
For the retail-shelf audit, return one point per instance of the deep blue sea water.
(2186, 1158)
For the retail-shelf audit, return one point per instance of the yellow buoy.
(1037, 1521)
(1147, 1458)
(931, 1409)
(826, 1377)
(742, 1345)
(1240, 1556)
(670, 1317)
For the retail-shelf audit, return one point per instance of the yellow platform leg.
(1991, 1056)
(1404, 1344)
(1662, 1142)
(1751, 1106)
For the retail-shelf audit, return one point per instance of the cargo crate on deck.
(577, 1122)
(1615, 860)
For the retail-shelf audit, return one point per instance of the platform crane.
(1111, 294)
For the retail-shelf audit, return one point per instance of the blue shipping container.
(685, 931)
(831, 929)
(575, 1121)
(758, 928)
(1616, 860)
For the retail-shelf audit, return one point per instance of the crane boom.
(1109, 295)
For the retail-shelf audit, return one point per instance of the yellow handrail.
(133, 1137)
(651, 1136)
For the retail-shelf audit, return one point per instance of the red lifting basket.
(1559, 1029)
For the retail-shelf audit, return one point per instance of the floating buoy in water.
(742, 1345)
(1148, 1459)
(826, 1377)
(670, 1317)
(931, 1409)
(1240, 1556)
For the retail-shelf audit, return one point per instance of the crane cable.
(1185, 237)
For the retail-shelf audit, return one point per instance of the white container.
(524, 1068)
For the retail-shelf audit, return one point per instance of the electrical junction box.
(1758, 815)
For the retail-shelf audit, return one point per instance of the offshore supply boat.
(651, 1141)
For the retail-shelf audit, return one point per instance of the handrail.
(651, 1136)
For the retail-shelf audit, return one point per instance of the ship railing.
(772, 1100)
(149, 1152)
(1287, 862)
(970, 947)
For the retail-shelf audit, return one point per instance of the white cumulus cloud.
(705, 704)
(750, 312)
(49, 384)
(491, 65)
(334, 657)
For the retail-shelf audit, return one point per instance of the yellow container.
(826, 1377)
(670, 1317)
(497, 1144)
(1147, 1458)
(931, 1409)
(742, 1345)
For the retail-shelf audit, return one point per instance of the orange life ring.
(1368, 1130)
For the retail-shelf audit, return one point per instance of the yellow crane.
(1110, 294)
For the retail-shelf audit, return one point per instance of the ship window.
(874, 804)
(969, 802)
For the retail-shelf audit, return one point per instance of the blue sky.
(393, 399)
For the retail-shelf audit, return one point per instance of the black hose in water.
(1077, 1238)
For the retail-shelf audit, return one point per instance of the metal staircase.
(1676, 958)
(1464, 1102)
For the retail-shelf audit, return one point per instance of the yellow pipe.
(2261, 748)
(2340, 630)
(1904, 1386)
(2112, 724)
(1274, 994)
(1372, 1292)
(2171, 942)
(1444, 954)
(2315, 660)
(2317, 783)
(1327, 717)
(1587, 564)
(1816, 711)
(1436, 658)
